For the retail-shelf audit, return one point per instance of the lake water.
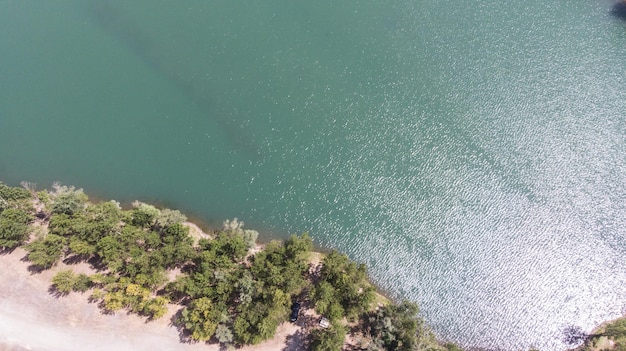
(473, 154)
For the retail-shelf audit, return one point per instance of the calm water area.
(472, 153)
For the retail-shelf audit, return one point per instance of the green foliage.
(450, 346)
(97, 294)
(9, 194)
(144, 215)
(343, 289)
(167, 218)
(236, 226)
(67, 200)
(616, 331)
(64, 281)
(283, 266)
(229, 245)
(13, 227)
(156, 308)
(330, 339)
(223, 334)
(201, 319)
(396, 326)
(81, 247)
(46, 252)
(259, 320)
(82, 283)
(110, 251)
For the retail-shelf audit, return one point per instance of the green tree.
(63, 281)
(167, 218)
(144, 215)
(67, 200)
(258, 321)
(330, 339)
(10, 194)
(156, 308)
(110, 251)
(45, 253)
(201, 319)
(14, 228)
(396, 326)
(82, 283)
(223, 334)
(343, 284)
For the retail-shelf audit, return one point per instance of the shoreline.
(34, 314)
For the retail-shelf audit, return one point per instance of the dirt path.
(33, 319)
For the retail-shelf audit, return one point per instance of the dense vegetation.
(230, 291)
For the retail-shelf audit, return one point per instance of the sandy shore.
(31, 318)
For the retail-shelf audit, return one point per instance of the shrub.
(13, 227)
(46, 252)
(64, 281)
(82, 283)
(330, 339)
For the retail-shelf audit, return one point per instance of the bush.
(330, 339)
(13, 227)
(396, 326)
(67, 200)
(82, 283)
(201, 319)
(343, 284)
(64, 281)
(45, 253)
(9, 194)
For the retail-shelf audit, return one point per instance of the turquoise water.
(472, 154)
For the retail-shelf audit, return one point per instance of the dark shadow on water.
(619, 10)
(574, 335)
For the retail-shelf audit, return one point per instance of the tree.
(144, 215)
(156, 308)
(236, 226)
(167, 218)
(330, 339)
(223, 334)
(396, 326)
(258, 321)
(67, 200)
(9, 194)
(201, 319)
(82, 283)
(343, 284)
(45, 253)
(63, 281)
(13, 227)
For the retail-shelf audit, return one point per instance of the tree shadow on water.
(574, 335)
(619, 10)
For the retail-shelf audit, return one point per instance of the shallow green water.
(473, 154)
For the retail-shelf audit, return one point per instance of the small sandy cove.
(31, 318)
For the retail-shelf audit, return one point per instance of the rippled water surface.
(472, 153)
